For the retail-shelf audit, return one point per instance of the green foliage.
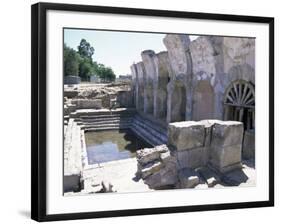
(71, 61)
(81, 63)
(85, 49)
(105, 73)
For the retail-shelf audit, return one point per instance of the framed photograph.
(140, 111)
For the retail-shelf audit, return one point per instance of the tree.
(105, 73)
(70, 61)
(85, 49)
(86, 68)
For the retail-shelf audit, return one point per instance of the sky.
(118, 50)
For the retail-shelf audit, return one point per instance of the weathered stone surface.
(161, 61)
(188, 178)
(147, 155)
(88, 103)
(149, 79)
(225, 157)
(226, 133)
(177, 45)
(203, 59)
(248, 150)
(157, 167)
(162, 179)
(186, 135)
(150, 168)
(192, 158)
(72, 157)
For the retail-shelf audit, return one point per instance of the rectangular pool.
(105, 146)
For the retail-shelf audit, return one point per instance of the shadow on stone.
(235, 178)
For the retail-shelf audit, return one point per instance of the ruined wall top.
(177, 46)
(148, 61)
(162, 65)
(140, 72)
(203, 59)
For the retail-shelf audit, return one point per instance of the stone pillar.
(149, 80)
(180, 77)
(161, 61)
(226, 145)
(134, 85)
(140, 80)
(187, 138)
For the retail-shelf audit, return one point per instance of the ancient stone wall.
(192, 80)
(193, 76)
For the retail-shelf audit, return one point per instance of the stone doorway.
(239, 103)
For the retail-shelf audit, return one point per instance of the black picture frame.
(39, 107)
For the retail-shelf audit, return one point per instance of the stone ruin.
(211, 77)
(197, 153)
(170, 96)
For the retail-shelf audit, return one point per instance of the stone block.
(248, 151)
(164, 178)
(148, 155)
(186, 135)
(193, 158)
(188, 178)
(225, 133)
(226, 158)
(151, 168)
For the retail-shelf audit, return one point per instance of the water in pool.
(104, 146)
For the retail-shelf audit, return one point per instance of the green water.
(105, 146)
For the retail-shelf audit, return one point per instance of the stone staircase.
(121, 118)
(149, 130)
(104, 119)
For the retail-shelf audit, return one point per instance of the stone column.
(226, 145)
(161, 61)
(140, 80)
(134, 86)
(150, 71)
(181, 72)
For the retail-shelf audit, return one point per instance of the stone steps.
(102, 112)
(105, 128)
(93, 125)
(102, 118)
(148, 131)
(105, 122)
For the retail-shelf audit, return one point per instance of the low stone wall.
(87, 103)
(214, 142)
(197, 152)
(72, 80)
(72, 157)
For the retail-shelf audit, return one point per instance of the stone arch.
(203, 104)
(178, 102)
(239, 103)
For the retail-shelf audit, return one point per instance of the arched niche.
(161, 61)
(203, 106)
(239, 103)
(178, 102)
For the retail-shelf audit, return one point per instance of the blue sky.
(118, 50)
